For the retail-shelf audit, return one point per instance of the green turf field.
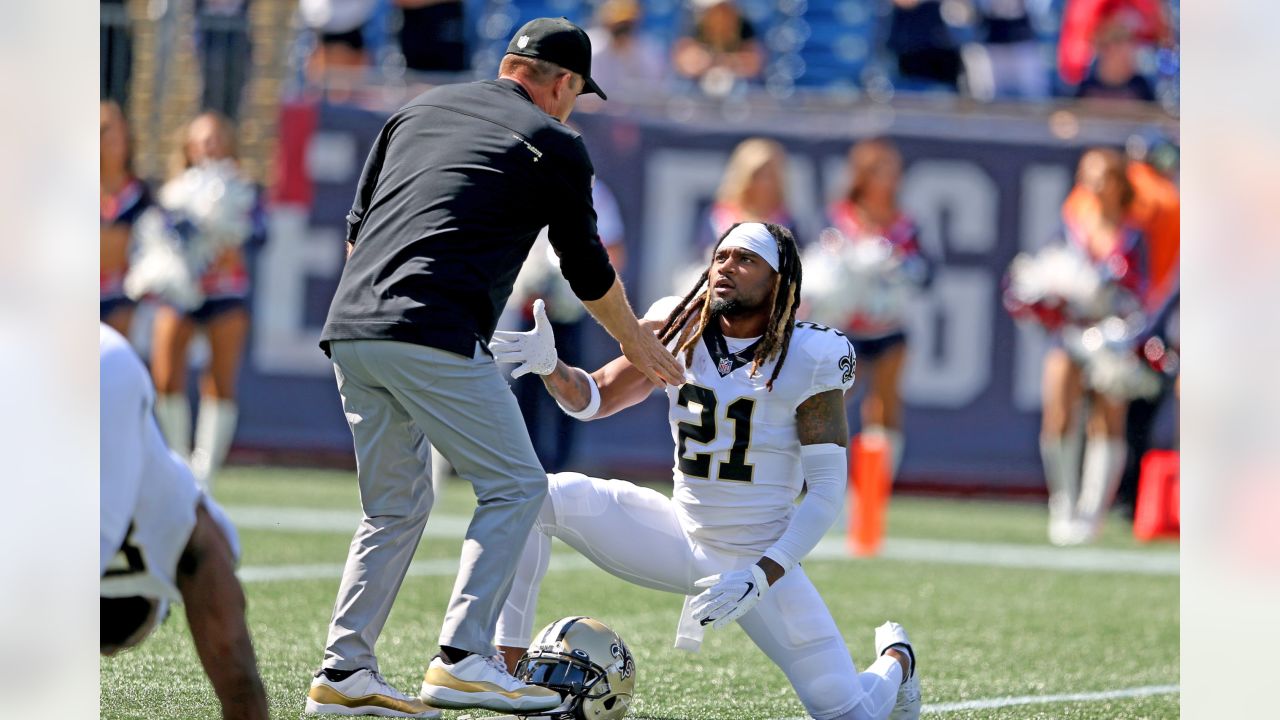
(1005, 626)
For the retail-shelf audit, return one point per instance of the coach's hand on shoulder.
(728, 596)
(652, 358)
(534, 350)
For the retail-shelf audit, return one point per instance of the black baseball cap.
(558, 41)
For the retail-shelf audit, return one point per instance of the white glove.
(535, 350)
(729, 597)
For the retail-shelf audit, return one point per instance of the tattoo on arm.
(568, 385)
(821, 419)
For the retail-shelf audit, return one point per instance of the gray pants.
(400, 399)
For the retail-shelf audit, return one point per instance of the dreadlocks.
(784, 300)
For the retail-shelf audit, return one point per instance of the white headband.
(756, 238)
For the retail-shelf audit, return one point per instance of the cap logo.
(523, 41)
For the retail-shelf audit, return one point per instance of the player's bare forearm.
(568, 385)
(821, 419)
(215, 613)
(620, 385)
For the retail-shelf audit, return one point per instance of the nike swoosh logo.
(750, 586)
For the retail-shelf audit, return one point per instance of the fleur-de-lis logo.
(847, 364)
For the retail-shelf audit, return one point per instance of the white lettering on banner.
(283, 343)
(957, 190)
(803, 200)
(951, 330)
(952, 327)
(675, 180)
(1043, 189)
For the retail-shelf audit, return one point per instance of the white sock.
(173, 415)
(1103, 467)
(893, 438)
(215, 426)
(1062, 483)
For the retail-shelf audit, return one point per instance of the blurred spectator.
(1114, 74)
(123, 198)
(226, 54)
(433, 35)
(721, 50)
(869, 212)
(338, 27)
(752, 189)
(622, 57)
(1081, 20)
(223, 287)
(115, 52)
(1012, 63)
(923, 43)
(551, 431)
(1103, 234)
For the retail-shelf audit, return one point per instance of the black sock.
(453, 655)
(335, 674)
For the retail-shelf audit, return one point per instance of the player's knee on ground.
(826, 689)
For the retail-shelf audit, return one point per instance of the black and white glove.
(728, 596)
(534, 350)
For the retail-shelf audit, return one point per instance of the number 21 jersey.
(737, 466)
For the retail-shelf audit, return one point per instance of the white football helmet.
(587, 663)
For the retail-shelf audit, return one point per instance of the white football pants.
(634, 533)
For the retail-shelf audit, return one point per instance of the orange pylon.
(869, 487)
(1158, 512)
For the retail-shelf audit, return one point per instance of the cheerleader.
(123, 198)
(1109, 283)
(752, 189)
(210, 211)
(879, 244)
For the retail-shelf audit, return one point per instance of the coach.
(454, 191)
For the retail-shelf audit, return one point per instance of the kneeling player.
(163, 540)
(760, 415)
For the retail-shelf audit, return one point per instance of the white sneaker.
(1060, 531)
(907, 706)
(364, 692)
(482, 682)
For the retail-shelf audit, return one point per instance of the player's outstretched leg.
(891, 636)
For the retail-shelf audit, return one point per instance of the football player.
(163, 540)
(759, 416)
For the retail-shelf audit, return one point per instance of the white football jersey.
(737, 457)
(148, 496)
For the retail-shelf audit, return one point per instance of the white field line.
(992, 703)
(947, 552)
(438, 567)
(1003, 702)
